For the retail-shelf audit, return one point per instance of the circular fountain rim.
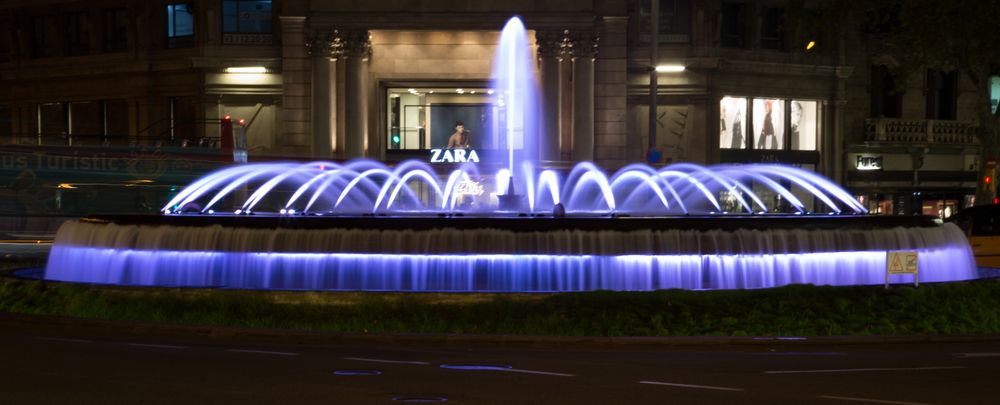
(527, 223)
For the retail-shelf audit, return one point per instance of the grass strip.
(797, 310)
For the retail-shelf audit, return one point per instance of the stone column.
(584, 50)
(357, 49)
(296, 94)
(324, 48)
(551, 45)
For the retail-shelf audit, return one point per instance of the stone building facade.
(743, 82)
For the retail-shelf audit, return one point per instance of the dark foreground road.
(68, 363)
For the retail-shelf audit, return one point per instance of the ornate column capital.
(582, 44)
(328, 44)
(357, 44)
(552, 43)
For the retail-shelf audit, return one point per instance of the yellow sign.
(902, 263)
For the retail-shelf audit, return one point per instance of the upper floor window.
(115, 30)
(180, 25)
(732, 29)
(43, 36)
(772, 29)
(246, 16)
(942, 95)
(5, 39)
(887, 99)
(78, 34)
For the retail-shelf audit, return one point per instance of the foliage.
(794, 310)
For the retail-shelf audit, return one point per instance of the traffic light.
(395, 140)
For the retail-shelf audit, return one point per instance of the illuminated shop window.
(804, 119)
(427, 118)
(772, 119)
(768, 120)
(732, 123)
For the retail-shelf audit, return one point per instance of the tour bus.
(981, 225)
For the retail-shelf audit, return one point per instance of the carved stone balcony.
(910, 131)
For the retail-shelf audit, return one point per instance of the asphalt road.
(62, 362)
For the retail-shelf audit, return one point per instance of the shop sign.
(868, 163)
(454, 156)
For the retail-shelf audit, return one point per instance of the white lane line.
(874, 401)
(860, 370)
(157, 346)
(804, 354)
(262, 352)
(704, 387)
(518, 370)
(965, 355)
(421, 363)
(55, 339)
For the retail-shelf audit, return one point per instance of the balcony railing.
(897, 130)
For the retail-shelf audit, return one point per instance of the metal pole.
(654, 44)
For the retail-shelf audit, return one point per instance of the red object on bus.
(227, 133)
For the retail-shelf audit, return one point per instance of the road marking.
(977, 355)
(55, 339)
(262, 352)
(157, 346)
(421, 363)
(804, 354)
(518, 370)
(704, 387)
(874, 401)
(858, 370)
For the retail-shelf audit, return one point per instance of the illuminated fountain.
(363, 225)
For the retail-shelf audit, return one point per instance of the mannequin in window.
(737, 142)
(459, 139)
(767, 139)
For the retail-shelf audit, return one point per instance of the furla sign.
(454, 156)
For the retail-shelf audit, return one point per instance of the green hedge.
(956, 308)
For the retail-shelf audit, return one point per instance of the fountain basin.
(467, 254)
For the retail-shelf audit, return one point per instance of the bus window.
(985, 225)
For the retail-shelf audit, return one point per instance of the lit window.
(180, 20)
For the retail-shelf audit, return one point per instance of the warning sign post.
(902, 263)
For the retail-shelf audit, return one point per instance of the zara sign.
(454, 156)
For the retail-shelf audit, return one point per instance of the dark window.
(5, 40)
(53, 126)
(732, 30)
(43, 36)
(78, 34)
(116, 121)
(246, 16)
(6, 124)
(86, 122)
(772, 30)
(180, 20)
(887, 99)
(115, 30)
(942, 95)
(675, 21)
